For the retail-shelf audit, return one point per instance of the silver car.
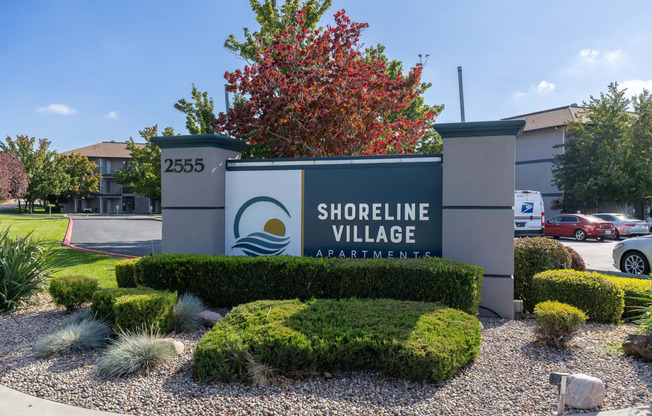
(633, 255)
(626, 225)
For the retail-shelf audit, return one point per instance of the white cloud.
(545, 86)
(111, 115)
(518, 95)
(57, 108)
(613, 56)
(588, 55)
(636, 86)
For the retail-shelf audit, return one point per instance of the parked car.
(529, 215)
(579, 227)
(626, 225)
(649, 223)
(633, 255)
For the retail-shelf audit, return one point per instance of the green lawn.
(51, 231)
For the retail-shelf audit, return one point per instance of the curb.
(66, 243)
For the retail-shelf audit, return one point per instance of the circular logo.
(270, 241)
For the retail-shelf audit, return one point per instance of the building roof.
(105, 149)
(555, 117)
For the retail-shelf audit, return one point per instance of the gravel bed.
(510, 376)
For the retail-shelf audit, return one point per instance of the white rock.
(584, 392)
(209, 318)
(178, 345)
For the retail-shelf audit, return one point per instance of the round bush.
(135, 353)
(72, 291)
(419, 341)
(634, 289)
(577, 262)
(557, 323)
(593, 293)
(533, 255)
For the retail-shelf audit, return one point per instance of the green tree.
(143, 172)
(199, 114)
(639, 152)
(84, 181)
(431, 142)
(45, 173)
(273, 20)
(593, 169)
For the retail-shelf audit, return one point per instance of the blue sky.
(80, 72)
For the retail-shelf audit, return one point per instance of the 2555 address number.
(184, 165)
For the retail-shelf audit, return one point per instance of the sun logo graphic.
(271, 240)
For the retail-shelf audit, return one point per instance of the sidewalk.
(14, 403)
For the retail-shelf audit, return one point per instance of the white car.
(634, 255)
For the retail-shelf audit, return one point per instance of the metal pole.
(459, 78)
(226, 98)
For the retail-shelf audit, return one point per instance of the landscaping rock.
(178, 345)
(209, 318)
(584, 392)
(638, 346)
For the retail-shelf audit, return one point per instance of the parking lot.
(596, 254)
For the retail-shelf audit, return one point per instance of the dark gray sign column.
(192, 191)
(478, 195)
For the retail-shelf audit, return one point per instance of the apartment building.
(113, 198)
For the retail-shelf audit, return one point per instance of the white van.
(529, 218)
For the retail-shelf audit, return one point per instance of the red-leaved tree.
(312, 93)
(13, 179)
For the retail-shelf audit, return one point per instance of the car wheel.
(635, 263)
(580, 235)
(617, 235)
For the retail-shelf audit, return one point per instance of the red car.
(579, 227)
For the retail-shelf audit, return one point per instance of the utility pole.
(226, 98)
(459, 78)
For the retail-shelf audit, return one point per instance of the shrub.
(72, 291)
(149, 310)
(634, 288)
(557, 323)
(414, 340)
(533, 255)
(77, 317)
(125, 273)
(134, 353)
(83, 335)
(643, 317)
(577, 262)
(104, 299)
(593, 293)
(24, 266)
(232, 280)
(186, 312)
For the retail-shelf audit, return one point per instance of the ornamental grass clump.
(24, 267)
(557, 323)
(86, 334)
(72, 291)
(135, 352)
(186, 312)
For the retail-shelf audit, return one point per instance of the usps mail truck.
(529, 216)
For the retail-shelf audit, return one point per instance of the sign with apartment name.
(353, 211)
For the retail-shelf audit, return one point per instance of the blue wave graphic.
(262, 244)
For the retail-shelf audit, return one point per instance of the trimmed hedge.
(233, 280)
(104, 300)
(72, 291)
(151, 311)
(593, 293)
(533, 255)
(633, 289)
(125, 273)
(414, 340)
(557, 323)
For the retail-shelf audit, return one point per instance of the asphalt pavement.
(135, 235)
(596, 254)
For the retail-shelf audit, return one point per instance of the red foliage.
(13, 179)
(312, 93)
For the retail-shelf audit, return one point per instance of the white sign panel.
(263, 213)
